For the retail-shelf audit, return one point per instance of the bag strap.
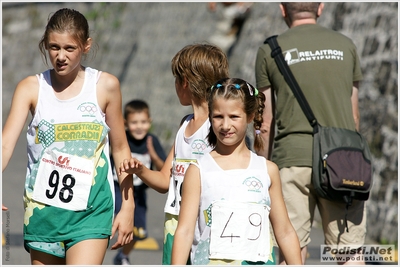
(276, 53)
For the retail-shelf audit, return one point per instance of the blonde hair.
(201, 65)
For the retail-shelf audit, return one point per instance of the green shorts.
(58, 249)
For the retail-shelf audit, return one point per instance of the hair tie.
(237, 86)
(250, 89)
(256, 92)
(218, 86)
(258, 132)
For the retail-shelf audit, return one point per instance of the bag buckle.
(276, 52)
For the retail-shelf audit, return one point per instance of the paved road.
(13, 252)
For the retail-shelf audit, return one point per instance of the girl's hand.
(123, 222)
(3, 207)
(130, 166)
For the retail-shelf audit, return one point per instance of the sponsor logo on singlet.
(47, 133)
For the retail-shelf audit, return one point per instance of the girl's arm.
(158, 180)
(109, 98)
(285, 234)
(187, 216)
(24, 100)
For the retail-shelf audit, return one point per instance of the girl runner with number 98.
(76, 112)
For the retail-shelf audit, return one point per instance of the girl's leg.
(42, 258)
(87, 252)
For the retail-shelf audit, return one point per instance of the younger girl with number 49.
(231, 195)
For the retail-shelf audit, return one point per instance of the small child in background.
(147, 148)
(231, 195)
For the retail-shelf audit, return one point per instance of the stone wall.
(136, 42)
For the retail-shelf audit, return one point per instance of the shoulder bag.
(341, 163)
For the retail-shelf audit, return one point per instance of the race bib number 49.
(240, 231)
(63, 180)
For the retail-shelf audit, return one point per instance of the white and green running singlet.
(69, 185)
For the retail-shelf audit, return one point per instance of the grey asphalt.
(13, 252)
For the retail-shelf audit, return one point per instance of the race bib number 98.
(63, 180)
(240, 231)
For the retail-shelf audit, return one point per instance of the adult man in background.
(327, 68)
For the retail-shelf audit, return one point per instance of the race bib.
(240, 231)
(63, 180)
(179, 167)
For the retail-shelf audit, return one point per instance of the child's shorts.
(58, 249)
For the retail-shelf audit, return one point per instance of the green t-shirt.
(325, 64)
